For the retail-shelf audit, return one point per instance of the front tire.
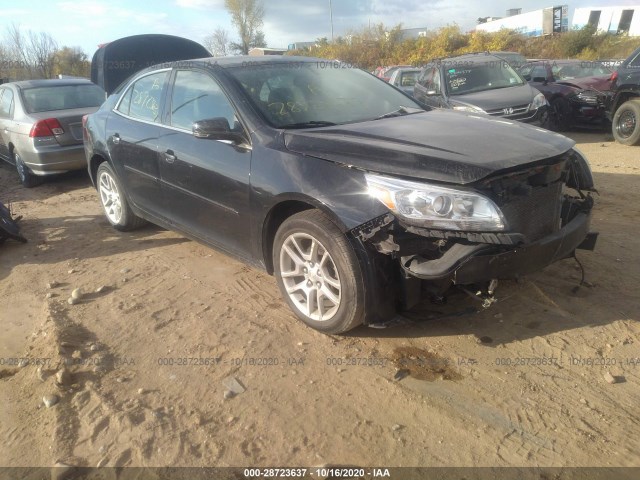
(27, 178)
(114, 202)
(560, 115)
(318, 273)
(626, 123)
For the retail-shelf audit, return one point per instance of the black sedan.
(355, 197)
(575, 89)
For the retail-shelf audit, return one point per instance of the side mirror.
(216, 129)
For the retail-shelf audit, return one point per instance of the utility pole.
(331, 16)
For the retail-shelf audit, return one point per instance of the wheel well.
(624, 97)
(275, 218)
(96, 160)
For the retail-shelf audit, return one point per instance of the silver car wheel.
(110, 197)
(310, 277)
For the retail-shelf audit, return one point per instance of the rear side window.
(6, 103)
(62, 97)
(142, 99)
(635, 61)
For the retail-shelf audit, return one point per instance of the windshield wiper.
(401, 111)
(311, 124)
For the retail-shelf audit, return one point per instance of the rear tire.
(318, 273)
(626, 123)
(114, 201)
(27, 178)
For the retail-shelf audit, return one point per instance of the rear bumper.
(481, 264)
(55, 159)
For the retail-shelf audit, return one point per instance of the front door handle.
(169, 156)
(116, 139)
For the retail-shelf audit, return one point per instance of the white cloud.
(200, 4)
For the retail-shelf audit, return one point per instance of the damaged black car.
(355, 197)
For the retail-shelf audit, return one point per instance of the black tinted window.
(196, 96)
(145, 97)
(62, 97)
(6, 103)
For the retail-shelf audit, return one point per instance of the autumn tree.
(247, 16)
(72, 61)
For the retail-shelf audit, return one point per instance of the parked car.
(480, 83)
(624, 102)
(386, 72)
(405, 79)
(358, 200)
(41, 125)
(575, 89)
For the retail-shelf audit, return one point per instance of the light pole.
(331, 16)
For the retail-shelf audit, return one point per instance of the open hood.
(439, 145)
(114, 62)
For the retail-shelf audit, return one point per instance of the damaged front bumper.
(471, 264)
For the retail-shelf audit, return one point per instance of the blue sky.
(89, 23)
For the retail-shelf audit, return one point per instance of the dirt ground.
(148, 358)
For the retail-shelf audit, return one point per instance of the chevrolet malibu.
(358, 200)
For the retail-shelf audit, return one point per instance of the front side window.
(6, 103)
(197, 96)
(142, 99)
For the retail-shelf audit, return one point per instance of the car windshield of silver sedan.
(313, 94)
(63, 97)
(477, 78)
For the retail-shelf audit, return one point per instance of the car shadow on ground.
(93, 236)
(13, 191)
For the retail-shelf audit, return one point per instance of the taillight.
(614, 76)
(46, 128)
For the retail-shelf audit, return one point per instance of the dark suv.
(624, 107)
(356, 198)
(480, 83)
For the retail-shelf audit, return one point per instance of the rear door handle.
(169, 156)
(116, 139)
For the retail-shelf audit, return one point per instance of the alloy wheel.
(110, 197)
(310, 277)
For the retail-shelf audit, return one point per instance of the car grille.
(536, 215)
(510, 112)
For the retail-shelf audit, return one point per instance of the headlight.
(538, 101)
(435, 206)
(460, 107)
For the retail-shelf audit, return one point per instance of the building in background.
(301, 45)
(413, 33)
(617, 20)
(258, 52)
(546, 21)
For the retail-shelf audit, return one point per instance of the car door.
(132, 136)
(6, 112)
(205, 181)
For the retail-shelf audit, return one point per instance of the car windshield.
(488, 75)
(578, 70)
(313, 94)
(62, 97)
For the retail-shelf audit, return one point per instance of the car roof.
(468, 58)
(54, 82)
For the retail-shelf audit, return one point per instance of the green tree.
(248, 17)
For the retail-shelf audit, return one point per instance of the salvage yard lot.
(520, 384)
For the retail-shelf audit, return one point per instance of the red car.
(575, 89)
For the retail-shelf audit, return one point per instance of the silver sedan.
(41, 125)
